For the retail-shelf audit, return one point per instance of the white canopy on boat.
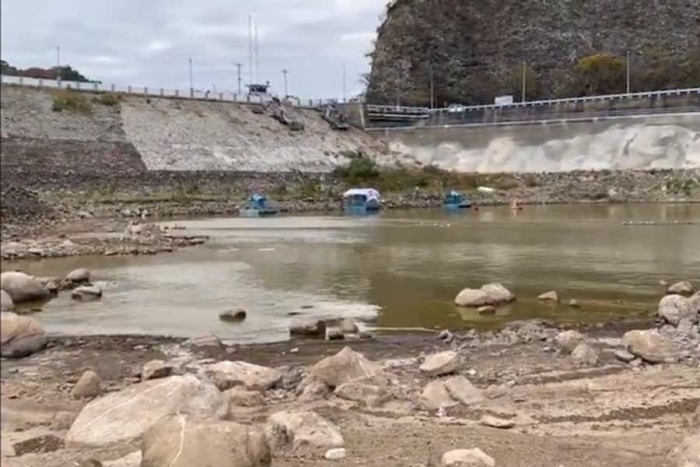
(367, 192)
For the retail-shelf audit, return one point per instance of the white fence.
(393, 109)
(159, 92)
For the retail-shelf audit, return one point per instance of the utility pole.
(250, 50)
(191, 85)
(238, 66)
(257, 55)
(58, 65)
(344, 96)
(524, 79)
(432, 88)
(285, 72)
(629, 82)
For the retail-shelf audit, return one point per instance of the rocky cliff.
(474, 49)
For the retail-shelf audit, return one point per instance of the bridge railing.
(395, 109)
(197, 94)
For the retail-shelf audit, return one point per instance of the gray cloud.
(149, 43)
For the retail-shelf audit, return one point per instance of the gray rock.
(22, 288)
(489, 294)
(569, 340)
(156, 369)
(87, 386)
(309, 330)
(303, 430)
(674, 308)
(442, 363)
(496, 422)
(487, 310)
(241, 397)
(435, 396)
(185, 441)
(6, 303)
(78, 276)
(695, 302)
(446, 336)
(228, 374)
(624, 356)
(20, 336)
(348, 326)
(651, 346)
(233, 316)
(359, 391)
(573, 303)
(463, 391)
(467, 457)
(687, 453)
(346, 366)
(335, 454)
(584, 354)
(335, 334)
(681, 288)
(130, 460)
(551, 297)
(126, 415)
(312, 389)
(86, 292)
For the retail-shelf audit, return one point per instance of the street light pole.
(284, 72)
(191, 85)
(629, 81)
(524, 79)
(238, 66)
(58, 65)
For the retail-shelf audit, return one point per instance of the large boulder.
(347, 366)
(229, 374)
(303, 430)
(87, 292)
(183, 441)
(584, 354)
(240, 397)
(442, 363)
(6, 303)
(359, 391)
(126, 415)
(695, 302)
(23, 288)
(435, 396)
(651, 346)
(20, 336)
(675, 308)
(680, 288)
(449, 392)
(489, 294)
(463, 391)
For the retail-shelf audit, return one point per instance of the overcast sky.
(149, 42)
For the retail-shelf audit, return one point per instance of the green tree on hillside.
(602, 73)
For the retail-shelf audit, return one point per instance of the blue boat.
(360, 201)
(257, 207)
(455, 200)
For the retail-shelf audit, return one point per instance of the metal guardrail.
(544, 118)
(159, 92)
(393, 109)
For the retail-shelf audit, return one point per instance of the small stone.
(573, 303)
(335, 454)
(84, 292)
(233, 316)
(446, 336)
(624, 356)
(335, 334)
(310, 330)
(495, 422)
(487, 310)
(551, 297)
(468, 457)
(87, 386)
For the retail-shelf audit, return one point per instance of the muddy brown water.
(400, 269)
